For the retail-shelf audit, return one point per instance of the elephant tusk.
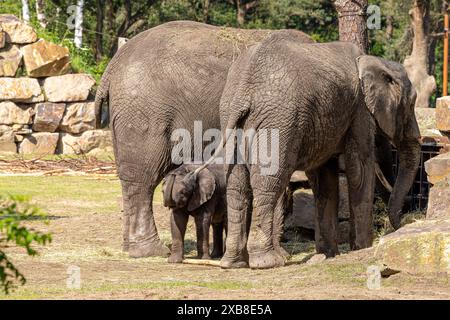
(383, 180)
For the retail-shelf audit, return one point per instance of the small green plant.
(13, 211)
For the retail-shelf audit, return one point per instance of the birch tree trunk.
(78, 40)
(416, 64)
(25, 11)
(40, 5)
(352, 22)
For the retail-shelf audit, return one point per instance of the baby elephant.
(201, 195)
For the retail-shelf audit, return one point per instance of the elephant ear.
(382, 88)
(206, 185)
(167, 186)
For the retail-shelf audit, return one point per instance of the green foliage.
(14, 210)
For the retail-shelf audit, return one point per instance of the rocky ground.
(85, 220)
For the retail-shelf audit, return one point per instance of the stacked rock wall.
(49, 110)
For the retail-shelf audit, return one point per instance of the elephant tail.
(101, 96)
(230, 131)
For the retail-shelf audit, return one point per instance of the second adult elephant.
(324, 100)
(163, 79)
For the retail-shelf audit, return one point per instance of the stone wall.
(438, 168)
(50, 110)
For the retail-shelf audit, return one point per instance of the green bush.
(13, 211)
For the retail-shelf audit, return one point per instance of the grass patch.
(60, 195)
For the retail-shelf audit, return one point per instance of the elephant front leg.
(202, 223)
(178, 224)
(359, 163)
(325, 185)
(238, 213)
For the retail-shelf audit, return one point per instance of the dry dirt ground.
(85, 222)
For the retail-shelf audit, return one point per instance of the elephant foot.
(280, 250)
(266, 260)
(125, 246)
(148, 249)
(228, 262)
(175, 258)
(204, 256)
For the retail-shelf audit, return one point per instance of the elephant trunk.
(409, 157)
(168, 200)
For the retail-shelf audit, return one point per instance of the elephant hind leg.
(325, 185)
(142, 158)
(143, 239)
(238, 212)
(263, 244)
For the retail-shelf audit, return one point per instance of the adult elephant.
(163, 79)
(324, 99)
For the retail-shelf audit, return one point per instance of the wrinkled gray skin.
(164, 78)
(325, 99)
(201, 195)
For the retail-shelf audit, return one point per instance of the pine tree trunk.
(417, 63)
(40, 5)
(352, 22)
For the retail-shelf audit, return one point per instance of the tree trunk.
(205, 11)
(417, 63)
(389, 27)
(242, 7)
(40, 5)
(352, 22)
(25, 11)
(240, 15)
(78, 40)
(99, 30)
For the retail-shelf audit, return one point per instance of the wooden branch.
(202, 262)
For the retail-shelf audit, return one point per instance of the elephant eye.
(388, 78)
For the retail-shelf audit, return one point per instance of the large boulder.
(20, 89)
(303, 211)
(7, 144)
(417, 248)
(89, 142)
(79, 117)
(426, 119)
(48, 116)
(68, 88)
(11, 113)
(45, 59)
(16, 30)
(439, 200)
(438, 168)
(443, 113)
(42, 143)
(2, 37)
(10, 59)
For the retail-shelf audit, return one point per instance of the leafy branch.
(13, 211)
